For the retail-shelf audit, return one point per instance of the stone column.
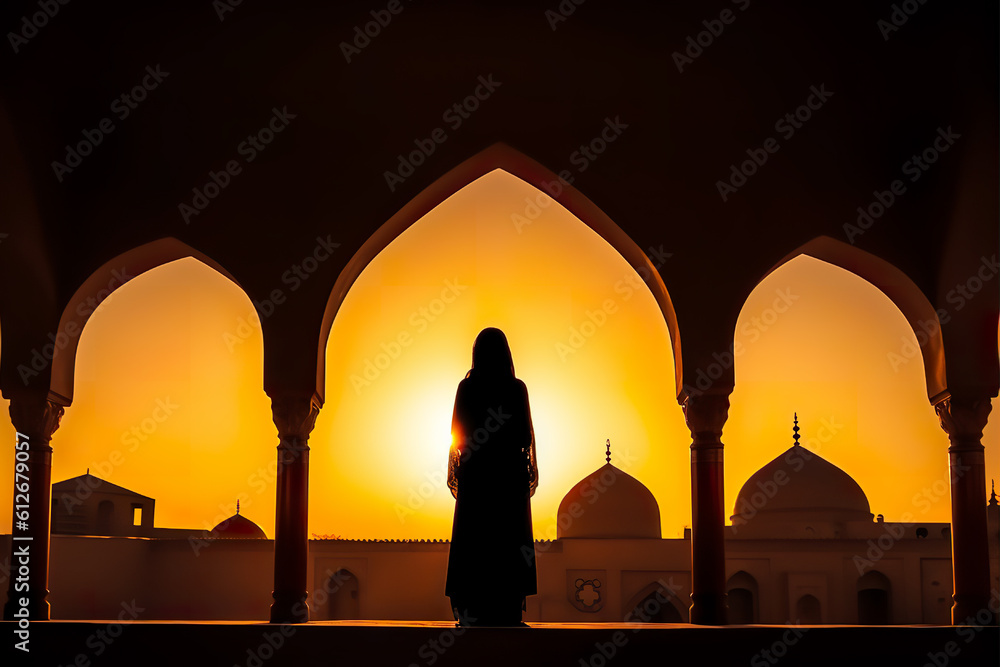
(705, 415)
(295, 418)
(963, 419)
(35, 420)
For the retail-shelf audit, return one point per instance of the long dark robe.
(492, 473)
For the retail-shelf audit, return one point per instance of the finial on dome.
(993, 493)
(237, 507)
(608, 454)
(795, 429)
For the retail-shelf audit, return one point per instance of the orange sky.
(379, 449)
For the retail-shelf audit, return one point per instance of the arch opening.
(96, 291)
(579, 320)
(904, 294)
(344, 601)
(550, 189)
(874, 592)
(654, 604)
(808, 610)
(168, 407)
(743, 597)
(824, 343)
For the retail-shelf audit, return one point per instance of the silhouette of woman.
(492, 473)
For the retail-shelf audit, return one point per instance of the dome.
(238, 526)
(609, 503)
(801, 485)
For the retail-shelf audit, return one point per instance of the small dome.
(801, 485)
(609, 503)
(238, 526)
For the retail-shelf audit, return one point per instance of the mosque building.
(803, 547)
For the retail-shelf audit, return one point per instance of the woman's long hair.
(491, 356)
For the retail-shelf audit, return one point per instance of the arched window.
(742, 590)
(874, 589)
(345, 602)
(808, 610)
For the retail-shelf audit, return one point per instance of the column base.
(289, 608)
(975, 610)
(708, 609)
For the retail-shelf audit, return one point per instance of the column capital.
(295, 417)
(963, 418)
(705, 416)
(36, 417)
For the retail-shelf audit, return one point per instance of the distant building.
(89, 505)
(802, 548)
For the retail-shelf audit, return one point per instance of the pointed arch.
(654, 603)
(744, 600)
(99, 286)
(501, 156)
(345, 598)
(808, 610)
(899, 288)
(874, 598)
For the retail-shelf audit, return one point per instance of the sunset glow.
(169, 376)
